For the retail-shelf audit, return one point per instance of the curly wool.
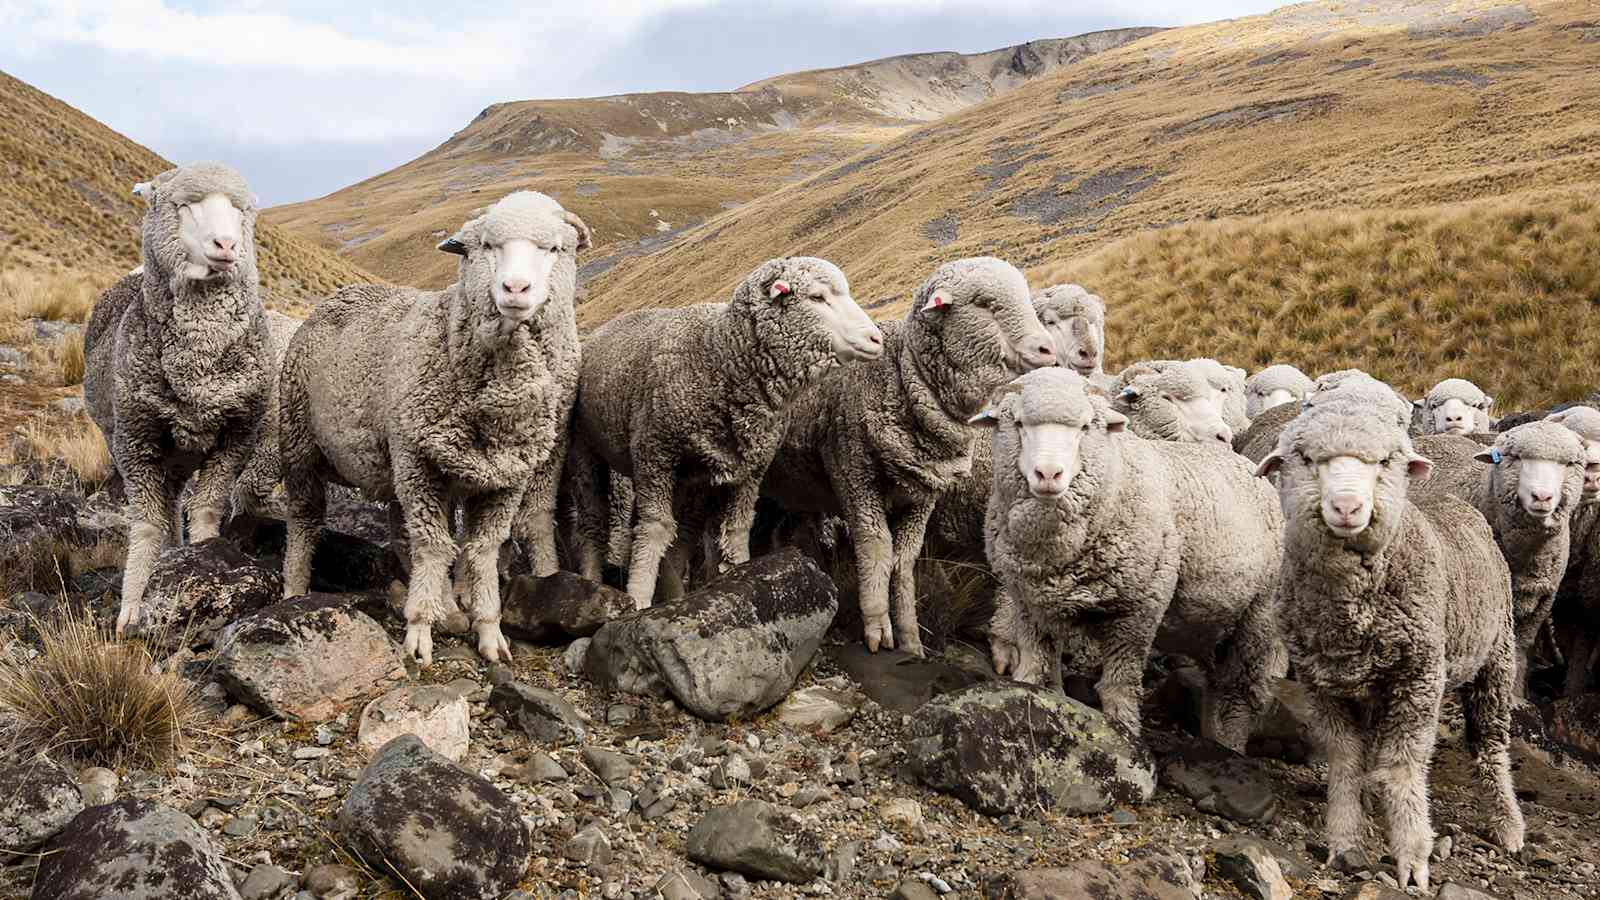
(264, 470)
(1158, 544)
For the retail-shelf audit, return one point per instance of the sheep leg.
(488, 525)
(869, 530)
(1126, 644)
(582, 476)
(909, 529)
(677, 564)
(1009, 633)
(536, 523)
(619, 522)
(733, 527)
(213, 484)
(1239, 688)
(151, 494)
(652, 490)
(433, 548)
(1528, 627)
(1404, 731)
(1337, 728)
(1488, 705)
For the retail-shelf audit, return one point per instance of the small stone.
(613, 768)
(543, 715)
(332, 879)
(913, 889)
(901, 812)
(841, 863)
(621, 714)
(685, 884)
(439, 716)
(241, 826)
(732, 772)
(1443, 847)
(590, 847)
(97, 785)
(819, 707)
(856, 804)
(267, 882)
(1253, 870)
(620, 801)
(807, 796)
(305, 753)
(541, 767)
(755, 838)
(575, 654)
(1123, 817)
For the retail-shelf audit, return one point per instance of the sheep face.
(1076, 320)
(813, 294)
(200, 225)
(1455, 406)
(517, 256)
(1345, 467)
(1229, 383)
(1585, 423)
(1175, 404)
(1538, 469)
(1274, 386)
(1046, 422)
(982, 311)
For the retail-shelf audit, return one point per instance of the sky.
(305, 98)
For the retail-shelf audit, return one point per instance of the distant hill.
(67, 205)
(641, 168)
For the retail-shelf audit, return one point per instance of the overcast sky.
(306, 98)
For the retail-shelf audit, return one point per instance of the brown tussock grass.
(94, 698)
(73, 440)
(57, 296)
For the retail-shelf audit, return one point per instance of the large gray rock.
(47, 535)
(543, 715)
(1012, 748)
(559, 607)
(1150, 874)
(450, 833)
(132, 850)
(199, 589)
(731, 649)
(309, 658)
(756, 839)
(37, 800)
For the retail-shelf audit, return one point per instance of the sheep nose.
(1226, 437)
(1046, 350)
(224, 244)
(875, 337)
(1048, 475)
(1347, 506)
(515, 285)
(1542, 497)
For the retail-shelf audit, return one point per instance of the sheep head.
(1455, 406)
(1172, 404)
(518, 256)
(1076, 320)
(1048, 426)
(1536, 471)
(1274, 386)
(807, 300)
(200, 224)
(1584, 421)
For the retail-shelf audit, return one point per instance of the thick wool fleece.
(1158, 544)
(1280, 377)
(425, 398)
(1535, 549)
(186, 372)
(1261, 438)
(1354, 384)
(1227, 380)
(1380, 625)
(880, 442)
(689, 403)
(1076, 319)
(1151, 405)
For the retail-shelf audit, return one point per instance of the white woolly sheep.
(430, 399)
(176, 373)
(1274, 386)
(1454, 406)
(1076, 319)
(690, 404)
(1526, 485)
(1577, 606)
(1171, 404)
(1385, 604)
(1116, 544)
(878, 444)
(1227, 381)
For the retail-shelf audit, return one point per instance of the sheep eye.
(816, 298)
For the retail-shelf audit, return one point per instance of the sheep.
(1454, 406)
(1227, 381)
(428, 399)
(1172, 404)
(177, 376)
(682, 400)
(1348, 385)
(1577, 606)
(1076, 319)
(264, 469)
(1526, 486)
(1273, 386)
(878, 444)
(1386, 602)
(1117, 544)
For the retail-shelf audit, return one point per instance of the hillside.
(67, 205)
(1346, 107)
(640, 168)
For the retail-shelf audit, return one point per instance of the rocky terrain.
(729, 745)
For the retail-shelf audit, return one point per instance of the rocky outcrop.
(135, 850)
(199, 589)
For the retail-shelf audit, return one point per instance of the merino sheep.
(1385, 604)
(1227, 381)
(1171, 404)
(682, 400)
(1076, 319)
(1577, 607)
(429, 399)
(1454, 406)
(878, 444)
(1118, 544)
(1346, 386)
(1274, 386)
(176, 375)
(1526, 485)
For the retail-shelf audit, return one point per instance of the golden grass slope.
(1322, 106)
(641, 167)
(67, 206)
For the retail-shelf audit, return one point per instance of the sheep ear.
(779, 288)
(1129, 394)
(1488, 401)
(1557, 417)
(1116, 423)
(144, 189)
(1420, 403)
(454, 244)
(1270, 465)
(1490, 456)
(1418, 468)
(585, 238)
(939, 299)
(988, 417)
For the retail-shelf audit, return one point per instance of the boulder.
(340, 564)
(756, 839)
(731, 649)
(45, 537)
(1012, 748)
(197, 590)
(40, 799)
(133, 850)
(557, 608)
(1151, 873)
(1253, 870)
(544, 716)
(448, 832)
(1221, 782)
(434, 713)
(819, 707)
(309, 658)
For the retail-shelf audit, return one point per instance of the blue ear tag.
(1126, 393)
(1494, 455)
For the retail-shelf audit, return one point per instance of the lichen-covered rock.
(732, 648)
(435, 713)
(542, 715)
(755, 838)
(199, 589)
(557, 608)
(132, 850)
(340, 564)
(448, 832)
(1012, 748)
(309, 658)
(1150, 874)
(37, 800)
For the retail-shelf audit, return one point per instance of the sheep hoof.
(878, 633)
(128, 616)
(419, 643)
(492, 643)
(1004, 653)
(1412, 870)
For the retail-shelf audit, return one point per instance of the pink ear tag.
(779, 289)
(937, 301)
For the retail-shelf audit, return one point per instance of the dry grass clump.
(65, 445)
(94, 698)
(1504, 292)
(54, 296)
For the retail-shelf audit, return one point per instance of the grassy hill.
(67, 205)
(640, 168)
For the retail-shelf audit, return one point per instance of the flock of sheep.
(1252, 524)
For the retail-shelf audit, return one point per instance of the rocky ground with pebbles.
(732, 745)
